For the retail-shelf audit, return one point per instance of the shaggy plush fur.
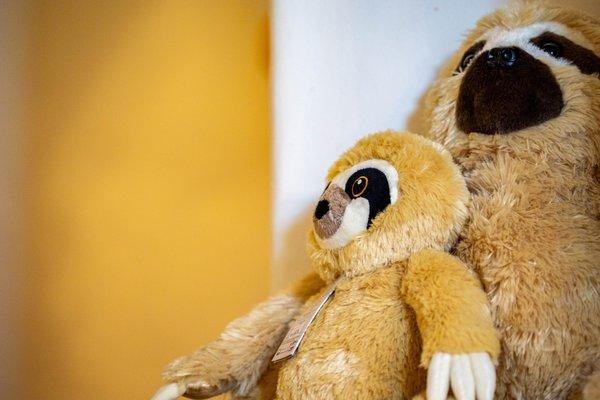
(401, 298)
(238, 358)
(534, 232)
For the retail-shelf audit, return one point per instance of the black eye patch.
(468, 57)
(559, 46)
(371, 184)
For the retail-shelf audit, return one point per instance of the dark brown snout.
(505, 90)
(330, 211)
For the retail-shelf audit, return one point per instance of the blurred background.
(159, 160)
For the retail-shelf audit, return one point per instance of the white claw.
(438, 376)
(461, 378)
(169, 392)
(485, 375)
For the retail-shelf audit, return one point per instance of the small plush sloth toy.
(389, 315)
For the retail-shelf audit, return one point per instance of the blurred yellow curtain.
(148, 198)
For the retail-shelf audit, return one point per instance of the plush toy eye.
(469, 56)
(466, 61)
(359, 186)
(552, 48)
(371, 186)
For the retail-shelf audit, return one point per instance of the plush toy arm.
(452, 310)
(459, 339)
(237, 359)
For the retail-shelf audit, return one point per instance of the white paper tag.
(290, 343)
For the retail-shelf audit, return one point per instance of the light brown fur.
(241, 354)
(398, 282)
(534, 233)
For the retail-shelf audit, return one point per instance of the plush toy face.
(351, 201)
(390, 195)
(524, 73)
(507, 83)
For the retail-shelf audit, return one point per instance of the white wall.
(342, 69)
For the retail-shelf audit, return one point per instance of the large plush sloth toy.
(519, 108)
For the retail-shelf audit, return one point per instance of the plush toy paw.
(169, 392)
(201, 375)
(193, 390)
(471, 375)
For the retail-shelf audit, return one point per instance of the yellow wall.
(148, 187)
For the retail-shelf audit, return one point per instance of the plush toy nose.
(330, 211)
(322, 209)
(501, 57)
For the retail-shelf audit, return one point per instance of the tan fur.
(242, 353)
(534, 233)
(363, 344)
(442, 293)
(366, 344)
(401, 298)
(592, 388)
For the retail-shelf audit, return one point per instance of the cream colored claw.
(171, 391)
(461, 378)
(485, 375)
(438, 375)
(470, 375)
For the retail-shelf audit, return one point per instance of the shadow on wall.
(292, 262)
